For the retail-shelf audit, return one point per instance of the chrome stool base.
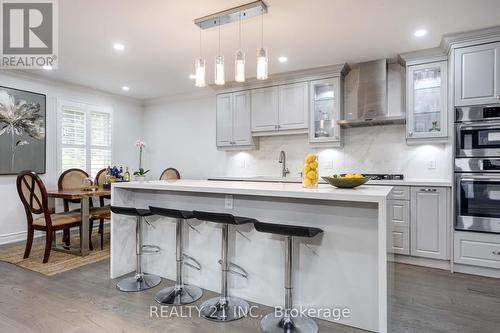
(131, 283)
(178, 296)
(235, 308)
(273, 324)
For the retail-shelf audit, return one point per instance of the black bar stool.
(181, 293)
(225, 307)
(287, 323)
(140, 281)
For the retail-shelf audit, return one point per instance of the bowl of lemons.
(349, 180)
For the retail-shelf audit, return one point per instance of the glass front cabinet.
(426, 99)
(325, 96)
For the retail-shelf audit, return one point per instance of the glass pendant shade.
(262, 64)
(200, 72)
(239, 66)
(219, 70)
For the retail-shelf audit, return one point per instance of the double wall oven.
(477, 169)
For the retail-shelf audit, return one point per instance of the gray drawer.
(477, 249)
(400, 193)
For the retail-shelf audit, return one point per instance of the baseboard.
(476, 270)
(21, 236)
(426, 262)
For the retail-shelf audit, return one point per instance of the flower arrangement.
(141, 172)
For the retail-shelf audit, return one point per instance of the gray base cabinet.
(429, 222)
(419, 221)
(399, 217)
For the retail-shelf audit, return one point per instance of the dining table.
(84, 196)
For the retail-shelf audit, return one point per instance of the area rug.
(58, 261)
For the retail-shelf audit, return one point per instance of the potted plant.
(140, 175)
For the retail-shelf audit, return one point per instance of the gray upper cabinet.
(429, 222)
(280, 109)
(293, 106)
(233, 120)
(426, 101)
(265, 109)
(477, 74)
(325, 111)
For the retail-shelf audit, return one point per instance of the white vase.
(140, 179)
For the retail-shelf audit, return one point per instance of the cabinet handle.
(498, 96)
(428, 190)
(410, 133)
(279, 126)
(275, 126)
(497, 253)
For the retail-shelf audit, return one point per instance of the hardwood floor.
(85, 300)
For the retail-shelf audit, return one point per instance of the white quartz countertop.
(405, 182)
(364, 193)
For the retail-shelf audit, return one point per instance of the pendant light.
(200, 70)
(239, 60)
(219, 65)
(262, 55)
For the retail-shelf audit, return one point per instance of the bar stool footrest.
(236, 270)
(150, 249)
(191, 262)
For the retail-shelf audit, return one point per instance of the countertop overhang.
(364, 193)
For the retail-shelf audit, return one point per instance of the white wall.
(182, 134)
(127, 127)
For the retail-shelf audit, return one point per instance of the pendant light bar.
(251, 9)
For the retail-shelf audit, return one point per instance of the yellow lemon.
(311, 175)
(307, 168)
(313, 165)
(308, 182)
(358, 175)
(310, 158)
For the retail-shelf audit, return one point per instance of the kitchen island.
(345, 267)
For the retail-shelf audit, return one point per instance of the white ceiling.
(162, 42)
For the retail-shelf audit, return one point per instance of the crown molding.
(474, 37)
(285, 78)
(422, 56)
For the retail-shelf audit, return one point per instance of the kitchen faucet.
(282, 159)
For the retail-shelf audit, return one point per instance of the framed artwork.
(22, 131)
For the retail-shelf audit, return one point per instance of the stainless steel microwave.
(478, 131)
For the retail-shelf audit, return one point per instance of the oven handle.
(489, 125)
(492, 178)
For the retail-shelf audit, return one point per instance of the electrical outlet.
(431, 164)
(243, 163)
(229, 202)
(329, 164)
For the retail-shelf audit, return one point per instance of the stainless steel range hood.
(366, 95)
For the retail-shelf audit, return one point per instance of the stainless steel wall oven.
(477, 169)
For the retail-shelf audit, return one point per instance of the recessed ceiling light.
(125, 88)
(119, 46)
(192, 76)
(420, 33)
(282, 59)
(47, 67)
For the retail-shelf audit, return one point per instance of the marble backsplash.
(379, 149)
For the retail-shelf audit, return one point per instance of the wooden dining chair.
(34, 197)
(68, 180)
(74, 179)
(170, 174)
(100, 178)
